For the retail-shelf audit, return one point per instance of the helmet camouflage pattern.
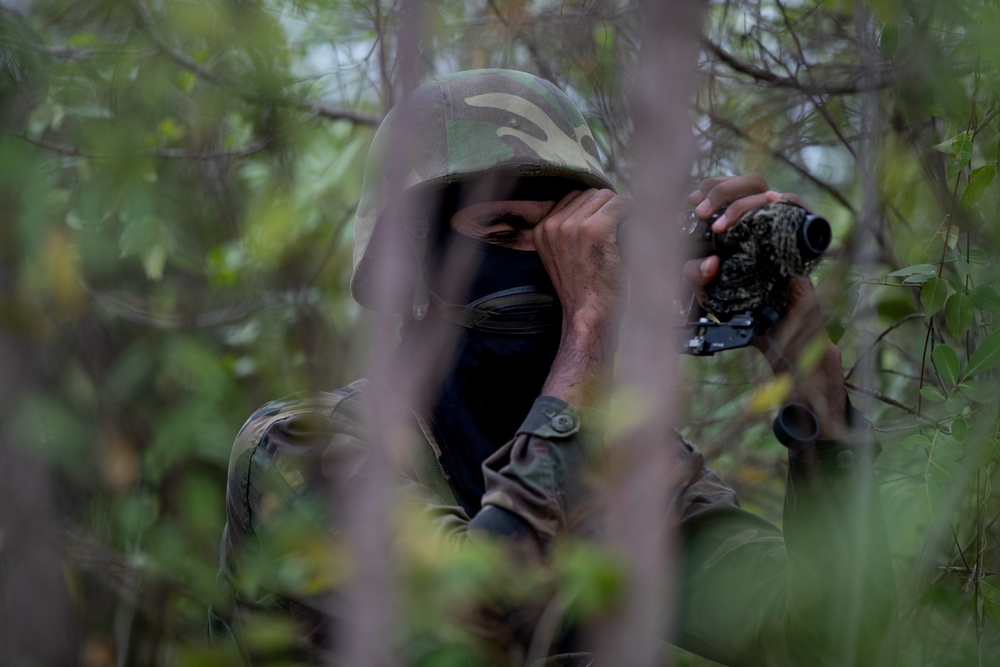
(468, 125)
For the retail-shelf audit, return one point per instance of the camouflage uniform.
(746, 590)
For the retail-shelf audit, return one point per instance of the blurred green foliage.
(178, 181)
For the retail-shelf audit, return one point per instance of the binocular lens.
(815, 236)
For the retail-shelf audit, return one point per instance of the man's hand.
(820, 387)
(577, 243)
(732, 197)
(738, 195)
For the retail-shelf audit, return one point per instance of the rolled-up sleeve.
(538, 476)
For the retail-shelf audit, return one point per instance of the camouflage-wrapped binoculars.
(759, 255)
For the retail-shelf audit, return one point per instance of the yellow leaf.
(119, 462)
(772, 394)
(59, 260)
(752, 474)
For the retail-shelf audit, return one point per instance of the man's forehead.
(509, 187)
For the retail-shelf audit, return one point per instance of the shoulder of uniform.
(348, 400)
(294, 432)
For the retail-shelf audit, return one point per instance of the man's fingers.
(795, 198)
(579, 209)
(586, 203)
(579, 221)
(716, 193)
(733, 197)
(568, 200)
(563, 209)
(700, 272)
(741, 207)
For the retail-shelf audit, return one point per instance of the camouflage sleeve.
(540, 476)
(295, 458)
(821, 593)
(281, 550)
(537, 476)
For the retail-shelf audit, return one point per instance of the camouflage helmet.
(473, 124)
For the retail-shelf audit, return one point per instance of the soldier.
(508, 183)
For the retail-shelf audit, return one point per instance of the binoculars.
(759, 255)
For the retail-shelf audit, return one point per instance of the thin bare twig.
(857, 85)
(165, 153)
(888, 400)
(892, 327)
(132, 312)
(721, 122)
(313, 107)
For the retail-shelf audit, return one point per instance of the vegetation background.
(177, 185)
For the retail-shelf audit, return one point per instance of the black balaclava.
(500, 364)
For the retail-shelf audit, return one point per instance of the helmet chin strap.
(417, 230)
(526, 309)
(518, 310)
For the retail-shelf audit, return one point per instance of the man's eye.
(503, 238)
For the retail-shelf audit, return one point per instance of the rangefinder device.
(759, 255)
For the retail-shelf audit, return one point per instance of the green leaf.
(932, 296)
(915, 270)
(74, 221)
(604, 36)
(945, 146)
(945, 470)
(956, 283)
(986, 356)
(82, 39)
(932, 393)
(955, 404)
(888, 40)
(958, 147)
(962, 269)
(989, 587)
(946, 361)
(985, 297)
(961, 148)
(978, 391)
(917, 440)
(981, 179)
(186, 81)
(958, 314)
(947, 451)
(170, 129)
(153, 260)
(959, 429)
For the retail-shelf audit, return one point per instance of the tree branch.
(120, 308)
(781, 156)
(165, 153)
(859, 84)
(312, 107)
(888, 400)
(892, 327)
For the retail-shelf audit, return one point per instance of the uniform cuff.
(552, 418)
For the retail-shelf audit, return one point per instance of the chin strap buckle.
(417, 229)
